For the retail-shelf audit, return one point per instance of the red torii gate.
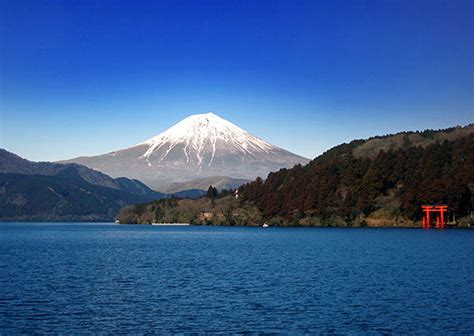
(428, 209)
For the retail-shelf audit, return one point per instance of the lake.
(108, 278)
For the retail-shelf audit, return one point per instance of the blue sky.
(88, 77)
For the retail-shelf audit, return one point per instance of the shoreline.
(238, 226)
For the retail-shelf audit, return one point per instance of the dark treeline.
(350, 186)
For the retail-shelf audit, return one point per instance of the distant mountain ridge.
(51, 191)
(199, 146)
(219, 182)
(12, 163)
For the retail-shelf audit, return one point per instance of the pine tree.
(211, 192)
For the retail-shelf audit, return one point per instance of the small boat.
(265, 225)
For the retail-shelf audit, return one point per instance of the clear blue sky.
(88, 77)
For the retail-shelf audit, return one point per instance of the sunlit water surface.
(106, 278)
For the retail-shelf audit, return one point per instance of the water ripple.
(89, 278)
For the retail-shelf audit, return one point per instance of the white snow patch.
(200, 134)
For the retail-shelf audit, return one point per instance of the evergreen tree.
(211, 192)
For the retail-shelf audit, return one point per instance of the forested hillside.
(381, 185)
(381, 181)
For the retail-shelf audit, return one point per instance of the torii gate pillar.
(428, 210)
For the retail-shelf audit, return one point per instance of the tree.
(211, 192)
(159, 213)
(296, 217)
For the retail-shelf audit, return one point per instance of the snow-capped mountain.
(200, 145)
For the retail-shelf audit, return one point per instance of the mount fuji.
(199, 146)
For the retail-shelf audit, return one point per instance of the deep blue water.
(106, 278)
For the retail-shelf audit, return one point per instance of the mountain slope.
(388, 183)
(202, 145)
(12, 163)
(219, 182)
(58, 198)
(348, 185)
(51, 191)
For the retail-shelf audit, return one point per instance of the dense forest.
(395, 183)
(381, 181)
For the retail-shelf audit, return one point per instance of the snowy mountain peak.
(204, 133)
(199, 146)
